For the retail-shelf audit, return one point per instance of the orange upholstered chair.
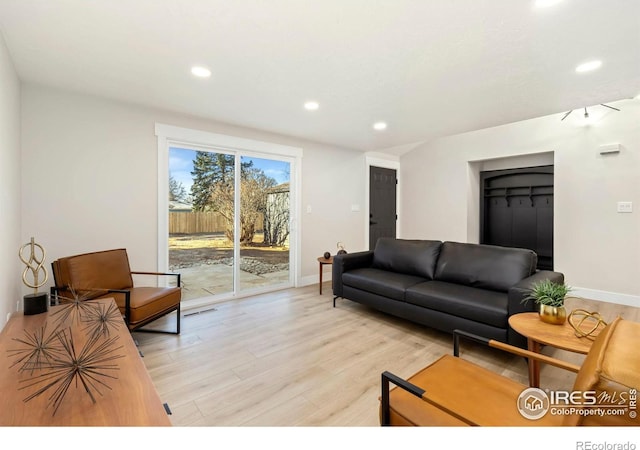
(107, 274)
(455, 392)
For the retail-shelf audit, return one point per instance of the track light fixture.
(586, 113)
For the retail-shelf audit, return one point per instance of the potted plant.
(550, 297)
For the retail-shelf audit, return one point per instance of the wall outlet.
(625, 207)
(609, 149)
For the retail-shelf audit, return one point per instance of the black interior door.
(382, 204)
(517, 210)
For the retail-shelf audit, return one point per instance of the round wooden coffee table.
(539, 333)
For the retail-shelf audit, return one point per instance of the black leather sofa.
(443, 285)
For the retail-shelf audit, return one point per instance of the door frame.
(169, 135)
(386, 164)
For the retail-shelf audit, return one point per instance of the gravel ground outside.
(196, 250)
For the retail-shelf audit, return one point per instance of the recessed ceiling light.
(201, 72)
(546, 3)
(380, 126)
(588, 66)
(311, 106)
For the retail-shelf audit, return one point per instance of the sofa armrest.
(516, 303)
(520, 291)
(345, 262)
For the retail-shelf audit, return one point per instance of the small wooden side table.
(322, 261)
(539, 333)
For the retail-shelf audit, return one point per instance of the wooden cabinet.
(115, 388)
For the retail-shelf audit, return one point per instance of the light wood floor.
(290, 359)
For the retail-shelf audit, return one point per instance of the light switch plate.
(625, 207)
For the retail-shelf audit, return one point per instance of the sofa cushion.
(484, 266)
(489, 307)
(411, 257)
(381, 282)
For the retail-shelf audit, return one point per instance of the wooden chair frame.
(387, 377)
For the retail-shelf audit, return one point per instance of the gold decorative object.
(578, 317)
(35, 303)
(34, 264)
(555, 315)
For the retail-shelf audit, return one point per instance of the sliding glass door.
(264, 223)
(229, 222)
(201, 214)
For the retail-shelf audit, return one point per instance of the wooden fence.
(201, 222)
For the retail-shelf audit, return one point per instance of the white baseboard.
(313, 279)
(605, 296)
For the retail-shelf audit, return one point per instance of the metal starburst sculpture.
(89, 367)
(39, 349)
(74, 308)
(101, 319)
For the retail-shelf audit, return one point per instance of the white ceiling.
(427, 67)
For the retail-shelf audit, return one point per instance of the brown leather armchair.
(455, 392)
(108, 274)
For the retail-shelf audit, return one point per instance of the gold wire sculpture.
(33, 263)
(580, 317)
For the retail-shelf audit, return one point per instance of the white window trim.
(169, 135)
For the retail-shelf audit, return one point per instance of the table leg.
(534, 365)
(320, 264)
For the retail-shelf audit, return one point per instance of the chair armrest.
(177, 275)
(127, 302)
(59, 292)
(388, 377)
(457, 334)
(54, 295)
(344, 263)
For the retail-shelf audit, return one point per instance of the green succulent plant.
(547, 292)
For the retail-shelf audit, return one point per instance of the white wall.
(10, 266)
(90, 179)
(596, 248)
